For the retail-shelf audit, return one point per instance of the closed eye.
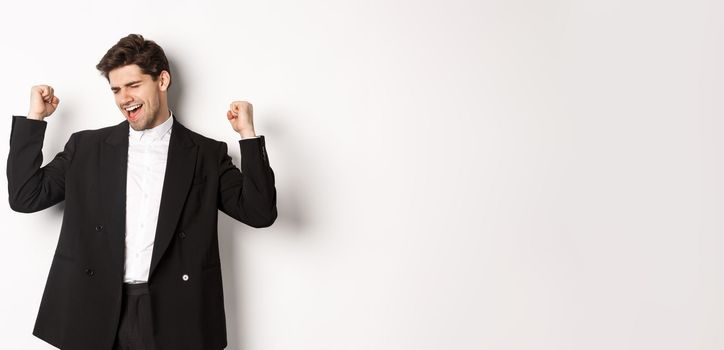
(133, 84)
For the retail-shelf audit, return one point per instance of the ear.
(164, 80)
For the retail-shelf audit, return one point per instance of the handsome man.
(137, 263)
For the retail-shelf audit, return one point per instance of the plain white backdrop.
(454, 174)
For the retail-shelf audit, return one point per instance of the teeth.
(132, 108)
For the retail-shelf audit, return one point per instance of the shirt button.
(89, 272)
(99, 228)
(185, 277)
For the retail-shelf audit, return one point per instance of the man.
(137, 263)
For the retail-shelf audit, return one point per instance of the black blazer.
(81, 304)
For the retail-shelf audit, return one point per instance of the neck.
(163, 114)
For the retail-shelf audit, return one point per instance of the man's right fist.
(43, 102)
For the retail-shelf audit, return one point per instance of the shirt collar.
(156, 132)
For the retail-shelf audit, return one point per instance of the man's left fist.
(241, 117)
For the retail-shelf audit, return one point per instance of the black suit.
(82, 300)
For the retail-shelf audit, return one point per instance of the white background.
(451, 174)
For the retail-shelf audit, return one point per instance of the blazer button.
(185, 277)
(90, 272)
(182, 235)
(99, 228)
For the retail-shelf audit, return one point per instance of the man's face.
(141, 99)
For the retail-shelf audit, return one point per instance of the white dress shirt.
(147, 155)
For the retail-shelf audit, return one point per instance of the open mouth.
(133, 111)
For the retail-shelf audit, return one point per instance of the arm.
(248, 195)
(30, 187)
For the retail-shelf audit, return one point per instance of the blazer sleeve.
(248, 195)
(31, 187)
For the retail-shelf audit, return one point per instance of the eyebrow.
(127, 84)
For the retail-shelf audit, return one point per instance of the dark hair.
(134, 49)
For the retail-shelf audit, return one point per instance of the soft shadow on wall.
(292, 217)
(176, 91)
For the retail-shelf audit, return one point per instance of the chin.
(137, 125)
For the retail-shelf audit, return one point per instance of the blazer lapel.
(113, 169)
(180, 166)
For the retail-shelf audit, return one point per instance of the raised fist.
(241, 117)
(43, 102)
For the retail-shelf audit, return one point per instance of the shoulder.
(205, 144)
(199, 139)
(98, 135)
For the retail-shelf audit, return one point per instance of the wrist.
(35, 116)
(245, 134)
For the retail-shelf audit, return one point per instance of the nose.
(125, 98)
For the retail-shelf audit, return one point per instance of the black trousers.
(135, 331)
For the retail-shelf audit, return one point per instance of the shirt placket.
(146, 142)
